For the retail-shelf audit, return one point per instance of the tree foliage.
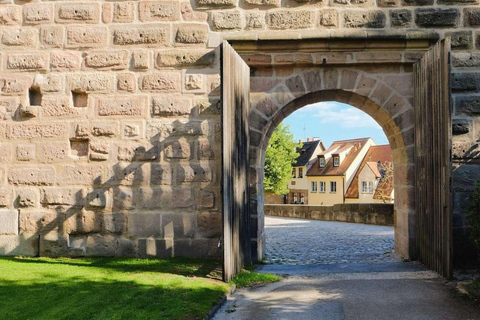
(279, 157)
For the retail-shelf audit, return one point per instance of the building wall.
(326, 198)
(365, 175)
(350, 174)
(300, 183)
(109, 113)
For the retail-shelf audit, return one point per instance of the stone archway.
(369, 93)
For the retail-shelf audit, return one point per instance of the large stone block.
(107, 60)
(126, 82)
(90, 83)
(328, 18)
(255, 20)
(10, 14)
(466, 59)
(54, 106)
(86, 36)
(209, 224)
(161, 175)
(227, 20)
(27, 61)
(191, 34)
(437, 18)
(6, 197)
(161, 82)
(81, 174)
(20, 37)
(155, 248)
(465, 81)
(129, 174)
(115, 223)
(144, 225)
(123, 12)
(53, 152)
(101, 245)
(150, 35)
(184, 58)
(83, 221)
(401, 18)
(159, 11)
(56, 196)
(15, 85)
(216, 3)
(290, 19)
(364, 19)
(77, 12)
(51, 36)
(64, 61)
(467, 105)
(9, 222)
(122, 106)
(141, 59)
(25, 152)
(194, 173)
(178, 149)
(37, 176)
(170, 105)
(40, 221)
(48, 83)
(27, 197)
(38, 13)
(472, 17)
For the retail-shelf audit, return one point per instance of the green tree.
(279, 157)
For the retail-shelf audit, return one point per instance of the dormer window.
(322, 162)
(336, 161)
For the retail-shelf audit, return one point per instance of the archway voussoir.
(343, 96)
(256, 121)
(395, 104)
(281, 95)
(357, 100)
(296, 86)
(349, 79)
(313, 81)
(365, 85)
(381, 93)
(266, 106)
(330, 78)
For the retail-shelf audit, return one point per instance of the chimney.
(310, 139)
(300, 141)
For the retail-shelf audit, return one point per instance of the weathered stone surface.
(189, 14)
(90, 83)
(14, 85)
(184, 58)
(162, 82)
(328, 18)
(37, 13)
(461, 39)
(54, 106)
(25, 152)
(77, 12)
(115, 223)
(460, 126)
(194, 173)
(123, 12)
(53, 152)
(219, 3)
(122, 106)
(178, 149)
(465, 81)
(86, 36)
(37, 176)
(128, 174)
(159, 11)
(81, 174)
(209, 224)
(27, 61)
(10, 14)
(24, 37)
(401, 18)
(51, 36)
(472, 16)
(255, 20)
(27, 198)
(6, 197)
(46, 84)
(33, 131)
(205, 199)
(9, 223)
(437, 18)
(418, 2)
(364, 19)
(274, 3)
(466, 59)
(56, 196)
(287, 19)
(227, 20)
(107, 60)
(83, 221)
(191, 34)
(64, 61)
(168, 105)
(126, 82)
(467, 105)
(141, 59)
(153, 35)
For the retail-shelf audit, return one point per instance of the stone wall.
(372, 213)
(109, 113)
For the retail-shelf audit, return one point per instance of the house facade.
(298, 184)
(373, 182)
(334, 169)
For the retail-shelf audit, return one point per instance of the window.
(322, 162)
(314, 186)
(294, 197)
(302, 198)
(336, 161)
(367, 187)
(300, 172)
(294, 173)
(322, 186)
(333, 186)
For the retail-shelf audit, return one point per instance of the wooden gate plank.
(433, 203)
(235, 146)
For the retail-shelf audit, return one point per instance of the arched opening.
(398, 129)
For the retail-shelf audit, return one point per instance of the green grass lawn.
(107, 288)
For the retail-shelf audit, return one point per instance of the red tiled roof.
(356, 146)
(374, 154)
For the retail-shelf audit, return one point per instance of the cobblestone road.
(305, 242)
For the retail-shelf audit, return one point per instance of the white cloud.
(344, 115)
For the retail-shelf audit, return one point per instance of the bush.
(473, 216)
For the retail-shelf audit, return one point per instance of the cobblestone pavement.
(305, 242)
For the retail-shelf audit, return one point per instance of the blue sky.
(332, 121)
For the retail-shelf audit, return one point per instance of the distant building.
(298, 184)
(334, 169)
(373, 181)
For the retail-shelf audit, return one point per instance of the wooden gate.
(236, 218)
(433, 201)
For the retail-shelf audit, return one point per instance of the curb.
(220, 303)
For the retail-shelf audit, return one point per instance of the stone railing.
(371, 213)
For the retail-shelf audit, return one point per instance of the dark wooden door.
(433, 200)
(235, 107)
